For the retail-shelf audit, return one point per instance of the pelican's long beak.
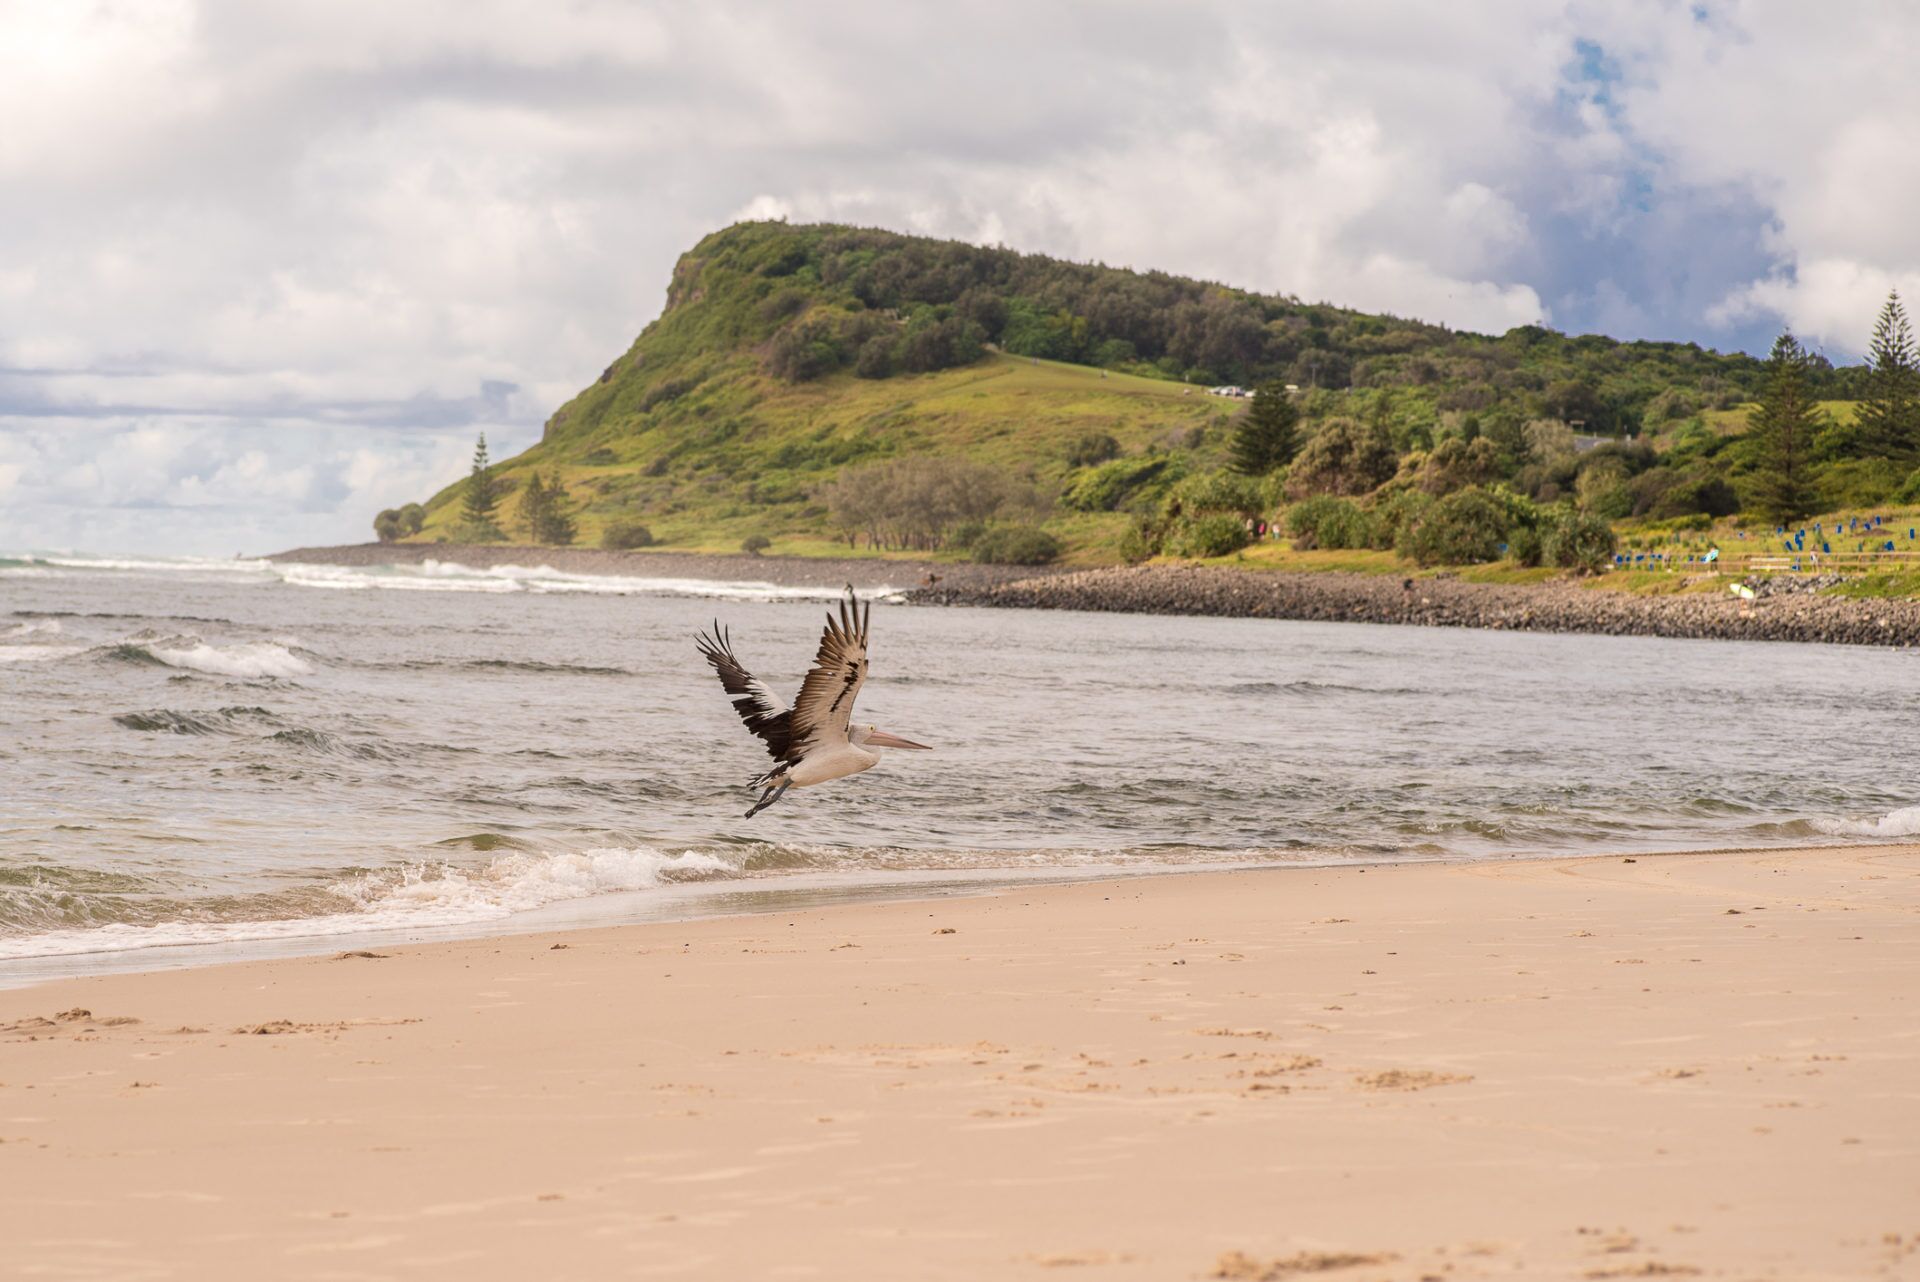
(885, 740)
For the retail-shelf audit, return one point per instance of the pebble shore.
(1786, 609)
(1776, 615)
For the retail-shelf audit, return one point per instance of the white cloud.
(1810, 109)
(316, 244)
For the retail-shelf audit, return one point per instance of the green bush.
(1214, 534)
(1106, 487)
(1396, 514)
(1859, 482)
(1523, 545)
(626, 535)
(966, 534)
(1910, 492)
(1577, 541)
(755, 544)
(1137, 544)
(472, 532)
(1216, 492)
(1091, 448)
(1327, 522)
(1343, 457)
(1464, 528)
(1016, 545)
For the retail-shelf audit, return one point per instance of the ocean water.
(203, 757)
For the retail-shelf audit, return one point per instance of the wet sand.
(1677, 1066)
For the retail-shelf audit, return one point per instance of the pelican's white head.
(874, 737)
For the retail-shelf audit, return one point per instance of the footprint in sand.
(1407, 1079)
(1237, 1266)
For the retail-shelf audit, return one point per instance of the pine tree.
(482, 496)
(1268, 435)
(1784, 426)
(545, 510)
(534, 506)
(1888, 421)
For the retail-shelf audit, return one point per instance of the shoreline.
(1340, 597)
(865, 573)
(1223, 592)
(1679, 1065)
(683, 903)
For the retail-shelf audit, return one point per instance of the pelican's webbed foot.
(771, 795)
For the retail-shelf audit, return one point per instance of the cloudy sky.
(267, 266)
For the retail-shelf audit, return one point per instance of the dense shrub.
(1455, 464)
(1016, 545)
(917, 502)
(671, 390)
(875, 359)
(399, 522)
(1107, 487)
(1137, 544)
(470, 533)
(1090, 448)
(1343, 457)
(1214, 534)
(1206, 492)
(1466, 527)
(1664, 493)
(1910, 492)
(1396, 514)
(626, 535)
(1861, 482)
(1523, 545)
(1577, 541)
(1328, 522)
(755, 544)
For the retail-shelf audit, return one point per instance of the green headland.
(829, 390)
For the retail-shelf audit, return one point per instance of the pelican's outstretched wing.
(764, 714)
(825, 703)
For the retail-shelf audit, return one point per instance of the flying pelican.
(812, 741)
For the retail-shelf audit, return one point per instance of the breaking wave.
(445, 576)
(1900, 823)
(250, 660)
(417, 896)
(426, 576)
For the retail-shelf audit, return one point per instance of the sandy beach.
(1694, 1065)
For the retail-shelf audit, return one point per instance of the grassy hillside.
(744, 453)
(789, 356)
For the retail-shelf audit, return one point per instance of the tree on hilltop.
(482, 495)
(1888, 420)
(1268, 433)
(1783, 426)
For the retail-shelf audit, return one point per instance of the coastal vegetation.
(837, 390)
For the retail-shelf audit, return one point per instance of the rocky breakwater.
(1567, 606)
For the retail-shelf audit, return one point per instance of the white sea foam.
(237, 565)
(427, 576)
(1900, 823)
(13, 649)
(418, 898)
(251, 660)
(447, 576)
(37, 653)
(30, 627)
